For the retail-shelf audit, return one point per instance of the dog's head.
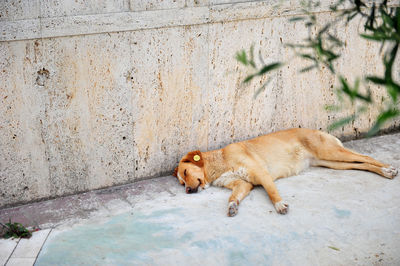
(190, 172)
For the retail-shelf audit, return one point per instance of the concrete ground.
(335, 218)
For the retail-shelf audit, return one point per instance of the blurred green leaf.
(375, 37)
(309, 68)
(349, 18)
(261, 89)
(269, 67)
(335, 40)
(371, 19)
(386, 18)
(342, 122)
(388, 61)
(248, 78)
(330, 55)
(396, 87)
(332, 108)
(346, 88)
(242, 57)
(297, 19)
(397, 18)
(376, 80)
(309, 24)
(382, 118)
(359, 4)
(260, 57)
(330, 66)
(308, 56)
(324, 29)
(251, 62)
(352, 92)
(392, 91)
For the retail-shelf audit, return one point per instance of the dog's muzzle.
(190, 190)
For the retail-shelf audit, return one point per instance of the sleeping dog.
(260, 161)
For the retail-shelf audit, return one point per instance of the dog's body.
(260, 161)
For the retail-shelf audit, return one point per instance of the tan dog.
(260, 161)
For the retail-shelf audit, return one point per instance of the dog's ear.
(194, 157)
(176, 175)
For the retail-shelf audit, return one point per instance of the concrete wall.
(101, 93)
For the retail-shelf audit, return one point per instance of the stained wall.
(101, 93)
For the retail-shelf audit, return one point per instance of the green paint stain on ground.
(163, 237)
(342, 213)
(123, 238)
(207, 244)
(237, 258)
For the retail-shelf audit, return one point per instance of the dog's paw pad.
(232, 209)
(389, 172)
(281, 207)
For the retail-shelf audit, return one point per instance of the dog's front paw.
(232, 209)
(389, 172)
(281, 207)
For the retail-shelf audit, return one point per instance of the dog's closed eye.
(184, 173)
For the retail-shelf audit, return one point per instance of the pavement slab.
(7, 246)
(21, 262)
(29, 248)
(335, 218)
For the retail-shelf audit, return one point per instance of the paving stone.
(6, 248)
(21, 262)
(29, 248)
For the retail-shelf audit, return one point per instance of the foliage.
(15, 230)
(322, 48)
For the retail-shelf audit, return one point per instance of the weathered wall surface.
(100, 93)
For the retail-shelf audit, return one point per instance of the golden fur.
(262, 160)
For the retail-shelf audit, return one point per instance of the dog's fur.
(262, 160)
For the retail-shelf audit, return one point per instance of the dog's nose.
(190, 190)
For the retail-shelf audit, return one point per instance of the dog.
(262, 160)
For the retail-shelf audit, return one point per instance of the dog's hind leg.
(332, 153)
(240, 189)
(263, 178)
(327, 147)
(385, 172)
(341, 154)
